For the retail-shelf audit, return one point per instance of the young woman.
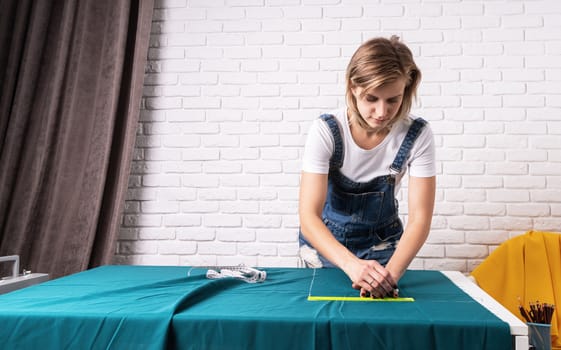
(353, 163)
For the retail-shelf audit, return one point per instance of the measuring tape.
(240, 272)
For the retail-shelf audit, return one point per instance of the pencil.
(538, 312)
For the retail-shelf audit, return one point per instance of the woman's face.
(379, 106)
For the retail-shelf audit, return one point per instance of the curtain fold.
(71, 90)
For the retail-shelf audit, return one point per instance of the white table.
(518, 329)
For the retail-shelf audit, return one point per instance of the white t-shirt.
(362, 165)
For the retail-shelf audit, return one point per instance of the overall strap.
(336, 160)
(405, 148)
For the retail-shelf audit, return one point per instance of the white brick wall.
(231, 88)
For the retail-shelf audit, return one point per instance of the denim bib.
(363, 216)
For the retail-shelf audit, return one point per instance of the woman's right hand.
(371, 278)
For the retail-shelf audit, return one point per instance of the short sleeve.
(318, 148)
(422, 162)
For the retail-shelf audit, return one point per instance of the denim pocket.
(381, 238)
(390, 232)
(362, 207)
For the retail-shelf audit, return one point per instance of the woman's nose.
(382, 109)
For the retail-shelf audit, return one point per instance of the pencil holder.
(539, 335)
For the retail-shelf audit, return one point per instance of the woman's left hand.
(374, 280)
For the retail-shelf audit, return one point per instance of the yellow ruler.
(335, 298)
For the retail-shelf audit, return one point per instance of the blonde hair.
(377, 62)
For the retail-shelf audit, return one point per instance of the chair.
(17, 281)
(524, 269)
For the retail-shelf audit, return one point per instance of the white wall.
(232, 86)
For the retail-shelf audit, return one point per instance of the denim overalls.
(363, 216)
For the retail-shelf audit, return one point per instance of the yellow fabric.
(526, 267)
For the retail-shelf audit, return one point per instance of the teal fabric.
(277, 315)
(441, 317)
(143, 307)
(116, 307)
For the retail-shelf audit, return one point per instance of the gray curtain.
(71, 78)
